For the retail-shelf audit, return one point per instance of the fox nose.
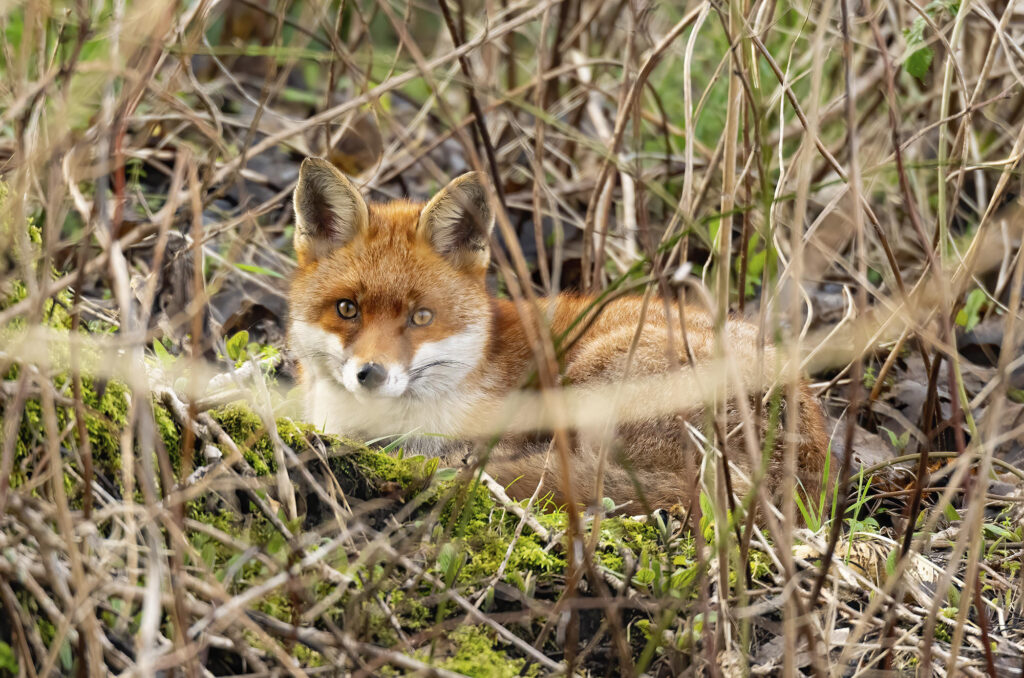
(371, 375)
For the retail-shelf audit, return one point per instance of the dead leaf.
(360, 147)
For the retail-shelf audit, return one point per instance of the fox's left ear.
(458, 221)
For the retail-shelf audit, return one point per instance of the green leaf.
(914, 35)
(810, 519)
(644, 576)
(450, 561)
(236, 345)
(8, 662)
(66, 660)
(950, 513)
(890, 562)
(970, 315)
(252, 268)
(713, 227)
(161, 353)
(446, 557)
(996, 531)
(209, 554)
(276, 544)
(919, 62)
(446, 474)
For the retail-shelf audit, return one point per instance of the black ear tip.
(471, 187)
(473, 178)
(313, 163)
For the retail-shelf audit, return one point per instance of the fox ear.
(329, 212)
(458, 221)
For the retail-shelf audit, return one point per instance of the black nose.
(371, 375)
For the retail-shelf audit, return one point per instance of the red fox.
(396, 335)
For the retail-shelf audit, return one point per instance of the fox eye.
(422, 316)
(347, 309)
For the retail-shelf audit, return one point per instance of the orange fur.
(460, 369)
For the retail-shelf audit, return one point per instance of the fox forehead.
(387, 270)
(395, 217)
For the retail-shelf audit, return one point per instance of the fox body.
(396, 335)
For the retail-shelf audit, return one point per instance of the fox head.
(389, 300)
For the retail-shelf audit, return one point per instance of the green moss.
(414, 615)
(553, 520)
(276, 604)
(166, 427)
(617, 534)
(106, 416)
(486, 551)
(106, 408)
(403, 471)
(475, 655)
(8, 660)
(307, 657)
(942, 630)
(221, 519)
(480, 532)
(105, 420)
(246, 429)
(215, 555)
(12, 290)
(470, 510)
(760, 564)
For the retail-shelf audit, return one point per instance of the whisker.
(419, 371)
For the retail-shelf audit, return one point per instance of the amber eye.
(347, 309)
(422, 316)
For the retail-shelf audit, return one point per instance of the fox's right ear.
(329, 212)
